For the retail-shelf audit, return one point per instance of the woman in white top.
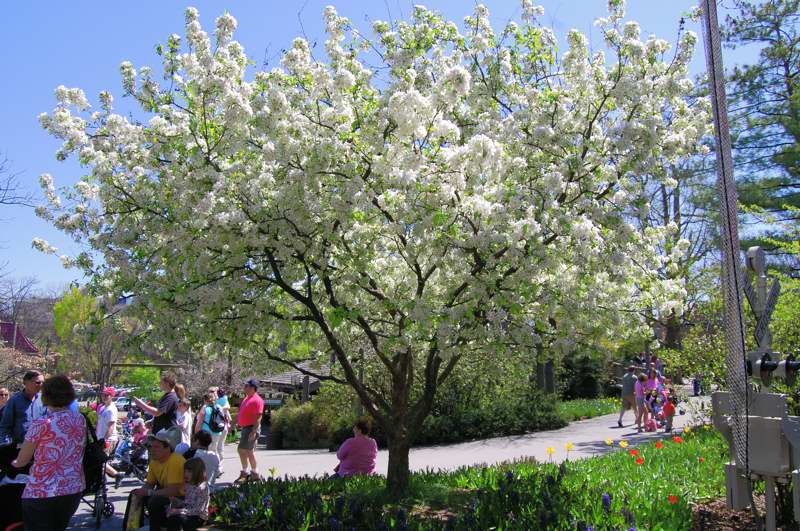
(184, 423)
(107, 416)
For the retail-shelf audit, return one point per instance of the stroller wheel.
(108, 509)
(99, 503)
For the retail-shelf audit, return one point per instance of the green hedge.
(649, 487)
(586, 408)
(453, 419)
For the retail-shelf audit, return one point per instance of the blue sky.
(81, 44)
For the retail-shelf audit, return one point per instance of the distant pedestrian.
(222, 402)
(250, 412)
(106, 429)
(55, 443)
(669, 413)
(165, 413)
(107, 416)
(357, 454)
(628, 393)
(210, 419)
(641, 407)
(658, 365)
(184, 423)
(653, 379)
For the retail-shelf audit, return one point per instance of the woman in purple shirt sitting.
(357, 454)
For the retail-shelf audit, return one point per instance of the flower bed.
(651, 487)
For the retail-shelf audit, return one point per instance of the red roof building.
(20, 342)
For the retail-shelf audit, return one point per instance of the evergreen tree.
(765, 119)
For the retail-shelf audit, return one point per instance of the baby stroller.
(95, 495)
(131, 459)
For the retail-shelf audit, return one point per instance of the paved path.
(587, 436)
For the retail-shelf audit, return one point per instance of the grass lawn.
(649, 487)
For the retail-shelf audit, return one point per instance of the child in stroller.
(131, 456)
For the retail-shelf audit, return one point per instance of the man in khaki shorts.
(628, 393)
(250, 411)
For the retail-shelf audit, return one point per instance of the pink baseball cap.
(110, 391)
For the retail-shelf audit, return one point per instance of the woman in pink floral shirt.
(56, 443)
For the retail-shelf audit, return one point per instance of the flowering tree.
(418, 197)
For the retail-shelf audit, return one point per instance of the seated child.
(139, 431)
(191, 512)
(654, 406)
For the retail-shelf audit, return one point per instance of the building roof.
(23, 344)
(293, 379)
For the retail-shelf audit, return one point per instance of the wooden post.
(306, 393)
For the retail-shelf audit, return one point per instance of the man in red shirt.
(250, 411)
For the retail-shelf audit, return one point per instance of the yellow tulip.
(609, 442)
(550, 450)
(623, 444)
(568, 446)
(686, 429)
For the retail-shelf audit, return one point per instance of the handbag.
(94, 458)
(134, 513)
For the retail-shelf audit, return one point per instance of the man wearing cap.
(164, 476)
(250, 411)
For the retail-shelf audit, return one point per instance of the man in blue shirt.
(19, 411)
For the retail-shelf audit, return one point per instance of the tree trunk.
(229, 374)
(398, 476)
(673, 333)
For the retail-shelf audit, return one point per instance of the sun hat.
(110, 391)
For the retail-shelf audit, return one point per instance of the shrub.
(583, 375)
(584, 408)
(464, 410)
(300, 426)
(512, 412)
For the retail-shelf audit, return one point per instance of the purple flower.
(606, 501)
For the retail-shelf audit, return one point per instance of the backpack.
(94, 458)
(217, 422)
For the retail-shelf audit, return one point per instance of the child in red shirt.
(669, 412)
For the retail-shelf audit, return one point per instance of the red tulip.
(701, 459)
(672, 499)
(639, 461)
(659, 445)
(634, 452)
(677, 439)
